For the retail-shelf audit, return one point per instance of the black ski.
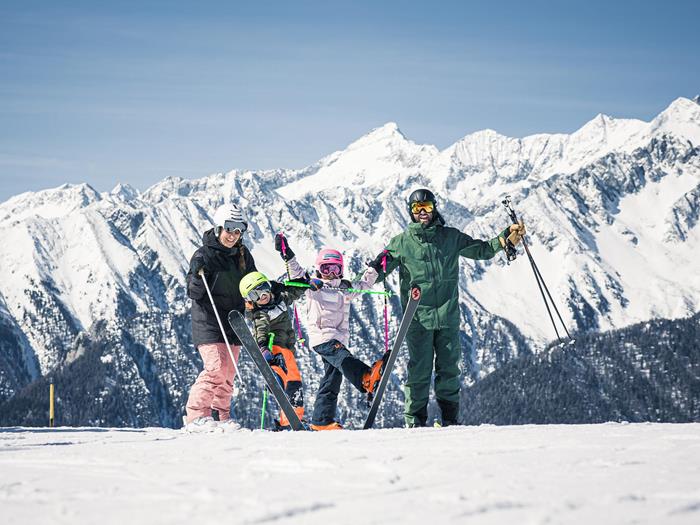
(237, 322)
(411, 307)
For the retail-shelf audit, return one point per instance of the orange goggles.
(426, 206)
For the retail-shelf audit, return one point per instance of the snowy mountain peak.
(125, 192)
(680, 106)
(374, 157)
(390, 129)
(478, 148)
(168, 187)
(605, 129)
(387, 135)
(50, 203)
(82, 192)
(600, 121)
(483, 135)
(681, 118)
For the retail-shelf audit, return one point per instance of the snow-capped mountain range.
(612, 211)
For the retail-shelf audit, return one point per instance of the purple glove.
(274, 359)
(315, 284)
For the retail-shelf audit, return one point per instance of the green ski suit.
(428, 255)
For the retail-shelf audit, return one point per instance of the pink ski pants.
(214, 385)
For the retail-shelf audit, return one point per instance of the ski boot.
(201, 425)
(371, 378)
(450, 412)
(228, 425)
(279, 427)
(333, 425)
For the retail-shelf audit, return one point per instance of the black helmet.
(423, 195)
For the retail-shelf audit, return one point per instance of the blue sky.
(137, 91)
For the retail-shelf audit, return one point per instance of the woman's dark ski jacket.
(223, 268)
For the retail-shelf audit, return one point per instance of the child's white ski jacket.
(328, 311)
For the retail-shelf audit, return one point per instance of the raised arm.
(366, 281)
(478, 249)
(294, 269)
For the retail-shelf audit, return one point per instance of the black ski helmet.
(423, 195)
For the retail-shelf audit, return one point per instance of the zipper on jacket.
(434, 274)
(437, 309)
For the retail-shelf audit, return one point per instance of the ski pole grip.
(415, 291)
(284, 244)
(297, 284)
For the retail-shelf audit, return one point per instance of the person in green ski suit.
(427, 254)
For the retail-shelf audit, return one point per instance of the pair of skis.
(237, 322)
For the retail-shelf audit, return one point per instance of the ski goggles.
(426, 206)
(256, 293)
(328, 269)
(235, 227)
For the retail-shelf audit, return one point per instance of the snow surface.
(610, 473)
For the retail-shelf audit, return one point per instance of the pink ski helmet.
(329, 256)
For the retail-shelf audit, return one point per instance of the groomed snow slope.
(611, 473)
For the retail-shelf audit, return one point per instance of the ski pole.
(386, 307)
(221, 327)
(300, 335)
(338, 289)
(262, 414)
(538, 276)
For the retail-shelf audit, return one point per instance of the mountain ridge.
(611, 238)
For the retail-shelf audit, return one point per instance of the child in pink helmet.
(328, 315)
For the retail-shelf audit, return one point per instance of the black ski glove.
(287, 254)
(376, 264)
(196, 265)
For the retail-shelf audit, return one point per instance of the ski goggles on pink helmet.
(329, 262)
(331, 269)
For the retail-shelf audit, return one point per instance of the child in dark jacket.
(267, 306)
